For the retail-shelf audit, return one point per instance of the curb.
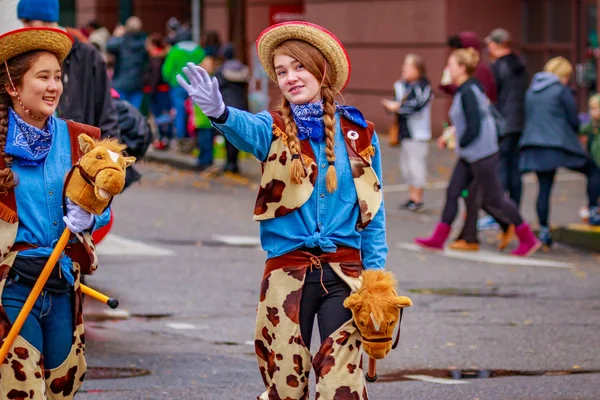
(582, 236)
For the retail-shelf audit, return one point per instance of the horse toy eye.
(98, 157)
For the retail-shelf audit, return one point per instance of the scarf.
(309, 119)
(28, 143)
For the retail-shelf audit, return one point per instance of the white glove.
(203, 90)
(77, 219)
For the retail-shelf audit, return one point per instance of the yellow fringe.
(279, 133)
(8, 215)
(368, 152)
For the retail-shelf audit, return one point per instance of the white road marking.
(249, 343)
(431, 379)
(121, 313)
(113, 245)
(181, 326)
(489, 257)
(238, 240)
(443, 184)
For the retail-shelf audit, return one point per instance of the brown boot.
(506, 237)
(463, 245)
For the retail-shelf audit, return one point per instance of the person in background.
(86, 87)
(199, 125)
(233, 77)
(512, 80)
(180, 53)
(590, 139)
(413, 109)
(550, 139)
(128, 46)
(477, 139)
(98, 35)
(467, 240)
(158, 89)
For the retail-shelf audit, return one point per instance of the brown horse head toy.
(376, 311)
(99, 175)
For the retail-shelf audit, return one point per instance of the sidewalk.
(440, 165)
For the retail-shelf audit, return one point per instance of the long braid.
(7, 179)
(297, 171)
(329, 120)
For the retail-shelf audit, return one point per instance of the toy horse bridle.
(385, 339)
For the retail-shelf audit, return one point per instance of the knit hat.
(38, 10)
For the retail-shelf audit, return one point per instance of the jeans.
(49, 325)
(546, 181)
(133, 97)
(178, 98)
(161, 109)
(510, 176)
(204, 140)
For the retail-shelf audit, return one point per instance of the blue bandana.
(26, 142)
(309, 119)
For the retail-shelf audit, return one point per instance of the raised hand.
(203, 90)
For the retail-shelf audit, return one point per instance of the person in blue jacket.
(320, 207)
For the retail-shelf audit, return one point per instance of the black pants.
(510, 176)
(232, 155)
(546, 181)
(473, 203)
(328, 307)
(485, 174)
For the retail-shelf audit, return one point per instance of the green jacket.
(593, 134)
(179, 55)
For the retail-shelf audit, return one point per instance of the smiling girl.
(47, 359)
(320, 207)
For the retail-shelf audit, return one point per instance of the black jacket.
(233, 77)
(86, 96)
(131, 60)
(512, 81)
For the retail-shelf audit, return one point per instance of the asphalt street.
(184, 259)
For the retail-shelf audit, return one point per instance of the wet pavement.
(184, 262)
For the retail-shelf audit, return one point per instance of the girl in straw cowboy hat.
(320, 206)
(47, 360)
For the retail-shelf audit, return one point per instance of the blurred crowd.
(536, 129)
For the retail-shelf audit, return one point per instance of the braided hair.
(315, 63)
(11, 73)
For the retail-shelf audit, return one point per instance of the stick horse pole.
(91, 184)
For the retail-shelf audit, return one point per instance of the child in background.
(199, 126)
(590, 138)
(413, 108)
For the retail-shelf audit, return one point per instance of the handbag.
(393, 133)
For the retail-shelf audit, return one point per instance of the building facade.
(379, 33)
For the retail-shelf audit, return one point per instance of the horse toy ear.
(86, 143)
(353, 302)
(403, 301)
(129, 161)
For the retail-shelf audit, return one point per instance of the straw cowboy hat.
(322, 39)
(23, 40)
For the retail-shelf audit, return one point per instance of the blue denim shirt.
(326, 219)
(39, 196)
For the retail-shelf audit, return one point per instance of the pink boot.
(437, 240)
(528, 243)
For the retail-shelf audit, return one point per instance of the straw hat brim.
(322, 39)
(20, 41)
